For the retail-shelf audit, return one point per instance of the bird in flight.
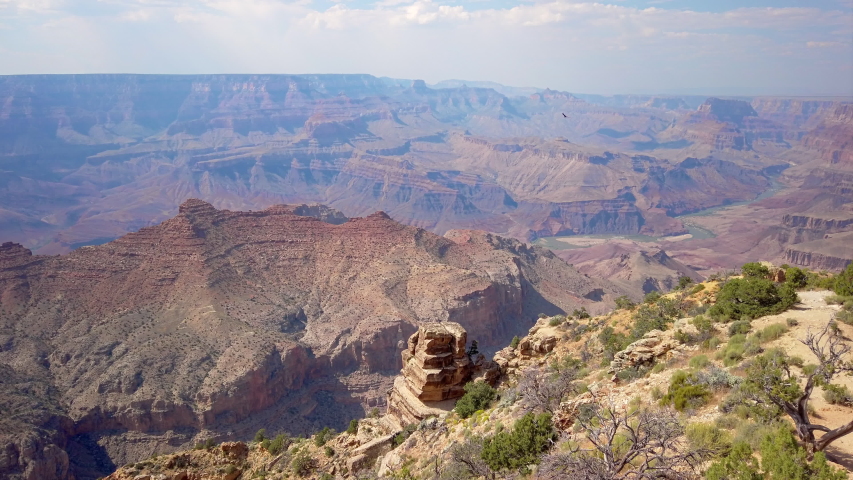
(564, 116)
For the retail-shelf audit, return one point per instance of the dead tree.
(772, 380)
(543, 389)
(627, 444)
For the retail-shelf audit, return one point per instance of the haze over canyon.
(195, 256)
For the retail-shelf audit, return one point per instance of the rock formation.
(436, 367)
(215, 321)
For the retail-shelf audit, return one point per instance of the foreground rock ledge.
(436, 367)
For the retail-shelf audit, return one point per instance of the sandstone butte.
(215, 323)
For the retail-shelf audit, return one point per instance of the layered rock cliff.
(215, 321)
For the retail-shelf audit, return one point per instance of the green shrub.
(684, 393)
(352, 429)
(699, 362)
(580, 314)
(407, 432)
(796, 277)
(683, 337)
(278, 444)
(652, 297)
(781, 458)
(752, 298)
(555, 321)
(740, 326)
(683, 282)
(302, 463)
(843, 284)
(542, 315)
(656, 316)
(791, 322)
(771, 332)
(261, 435)
(704, 326)
(612, 342)
(623, 303)
(515, 341)
(329, 451)
(205, 445)
(707, 437)
(754, 270)
(733, 352)
(324, 435)
(531, 436)
(738, 465)
(698, 288)
(837, 395)
(478, 396)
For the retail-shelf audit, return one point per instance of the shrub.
(781, 458)
(837, 395)
(733, 352)
(699, 361)
(771, 332)
(684, 392)
(515, 341)
(705, 327)
(657, 316)
(683, 282)
(843, 284)
(542, 315)
(277, 445)
(740, 327)
(407, 432)
(716, 378)
(707, 437)
(612, 342)
(698, 288)
(752, 298)
(303, 463)
(754, 270)
(329, 451)
(554, 321)
(478, 396)
(260, 435)
(580, 314)
(531, 435)
(624, 303)
(796, 277)
(791, 322)
(652, 297)
(324, 435)
(352, 429)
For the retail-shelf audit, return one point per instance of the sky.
(723, 47)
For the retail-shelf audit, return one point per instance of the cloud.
(823, 44)
(573, 45)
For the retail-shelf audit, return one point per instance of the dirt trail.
(813, 313)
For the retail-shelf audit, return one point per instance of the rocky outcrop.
(532, 348)
(655, 346)
(435, 364)
(436, 367)
(815, 260)
(825, 225)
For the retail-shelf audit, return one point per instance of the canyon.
(215, 322)
(88, 158)
(194, 257)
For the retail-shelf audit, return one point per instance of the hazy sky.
(802, 47)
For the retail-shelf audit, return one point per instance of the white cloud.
(559, 43)
(824, 44)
